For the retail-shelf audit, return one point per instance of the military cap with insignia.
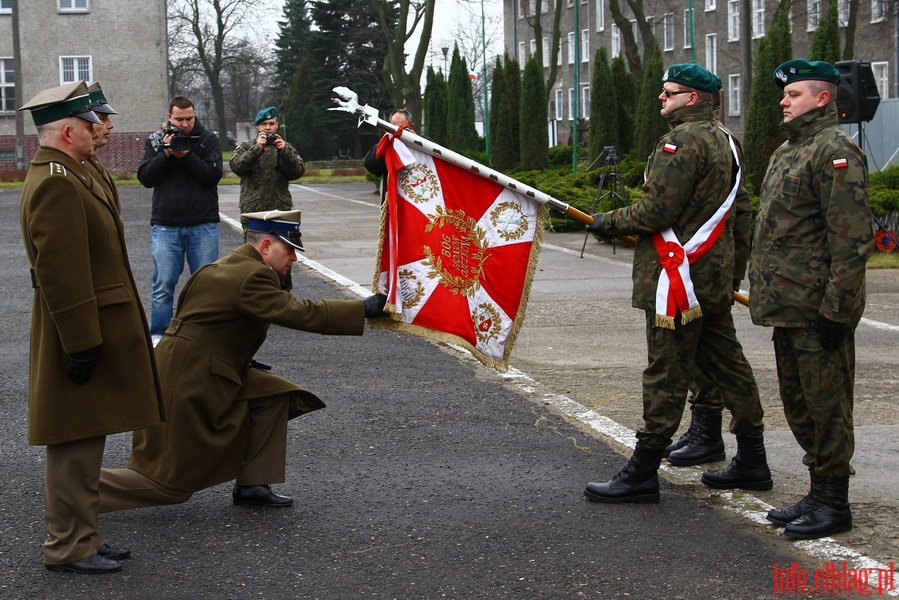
(99, 103)
(69, 100)
(803, 70)
(694, 76)
(265, 114)
(283, 224)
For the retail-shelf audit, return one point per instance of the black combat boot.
(706, 444)
(784, 516)
(638, 481)
(830, 512)
(685, 439)
(748, 470)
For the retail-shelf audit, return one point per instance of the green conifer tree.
(501, 142)
(650, 125)
(626, 99)
(435, 106)
(603, 106)
(513, 96)
(532, 123)
(826, 41)
(461, 134)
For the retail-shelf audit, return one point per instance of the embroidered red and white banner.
(457, 253)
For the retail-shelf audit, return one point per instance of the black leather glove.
(80, 365)
(374, 306)
(831, 333)
(597, 226)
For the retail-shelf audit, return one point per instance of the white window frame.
(78, 70)
(524, 8)
(560, 108)
(733, 20)
(9, 87)
(545, 52)
(70, 6)
(585, 45)
(687, 21)
(570, 104)
(570, 47)
(585, 102)
(881, 70)
(709, 5)
(522, 58)
(843, 12)
(5, 7)
(878, 11)
(711, 52)
(734, 91)
(758, 19)
(812, 15)
(600, 15)
(616, 41)
(668, 32)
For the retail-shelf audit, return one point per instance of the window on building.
(843, 12)
(710, 4)
(570, 103)
(881, 72)
(533, 50)
(634, 29)
(733, 21)
(688, 28)
(5, 7)
(616, 41)
(544, 7)
(560, 109)
(758, 19)
(813, 14)
(73, 6)
(585, 101)
(878, 11)
(525, 8)
(733, 95)
(559, 55)
(570, 47)
(7, 85)
(521, 56)
(668, 32)
(545, 48)
(585, 45)
(711, 52)
(74, 68)
(600, 15)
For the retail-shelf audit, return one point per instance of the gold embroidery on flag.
(459, 261)
(419, 183)
(412, 289)
(509, 221)
(487, 322)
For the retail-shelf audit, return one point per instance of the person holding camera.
(183, 164)
(266, 165)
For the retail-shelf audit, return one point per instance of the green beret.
(802, 70)
(265, 114)
(694, 76)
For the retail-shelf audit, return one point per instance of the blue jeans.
(169, 246)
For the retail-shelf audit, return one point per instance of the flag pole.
(348, 101)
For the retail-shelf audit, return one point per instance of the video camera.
(180, 141)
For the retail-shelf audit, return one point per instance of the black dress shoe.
(92, 565)
(112, 553)
(259, 495)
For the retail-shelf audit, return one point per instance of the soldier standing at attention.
(266, 165)
(683, 274)
(813, 237)
(102, 109)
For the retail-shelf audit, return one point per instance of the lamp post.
(445, 52)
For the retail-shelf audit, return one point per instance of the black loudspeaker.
(857, 97)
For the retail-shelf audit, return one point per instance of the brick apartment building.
(120, 43)
(717, 40)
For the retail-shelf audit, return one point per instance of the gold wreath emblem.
(419, 183)
(411, 288)
(509, 221)
(487, 321)
(468, 230)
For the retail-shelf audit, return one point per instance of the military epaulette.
(58, 169)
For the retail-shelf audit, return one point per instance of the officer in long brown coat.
(92, 371)
(228, 420)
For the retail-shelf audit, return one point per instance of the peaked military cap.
(265, 114)
(283, 224)
(802, 70)
(69, 100)
(98, 100)
(694, 76)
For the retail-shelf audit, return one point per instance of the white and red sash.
(675, 291)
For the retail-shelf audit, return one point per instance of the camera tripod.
(617, 194)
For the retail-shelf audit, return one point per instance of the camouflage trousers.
(704, 393)
(816, 389)
(709, 344)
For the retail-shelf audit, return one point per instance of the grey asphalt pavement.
(428, 475)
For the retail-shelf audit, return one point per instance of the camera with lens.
(180, 141)
(270, 139)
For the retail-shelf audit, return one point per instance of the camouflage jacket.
(814, 232)
(265, 175)
(688, 177)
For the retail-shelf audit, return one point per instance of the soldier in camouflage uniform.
(687, 211)
(266, 166)
(812, 239)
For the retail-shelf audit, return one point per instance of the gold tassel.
(691, 314)
(664, 321)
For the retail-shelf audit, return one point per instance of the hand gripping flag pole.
(348, 101)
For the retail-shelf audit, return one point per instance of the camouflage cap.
(98, 100)
(694, 76)
(69, 100)
(265, 114)
(802, 70)
(283, 224)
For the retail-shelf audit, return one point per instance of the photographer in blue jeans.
(183, 164)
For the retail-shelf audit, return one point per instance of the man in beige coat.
(227, 419)
(91, 368)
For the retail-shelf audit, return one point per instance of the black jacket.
(185, 190)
